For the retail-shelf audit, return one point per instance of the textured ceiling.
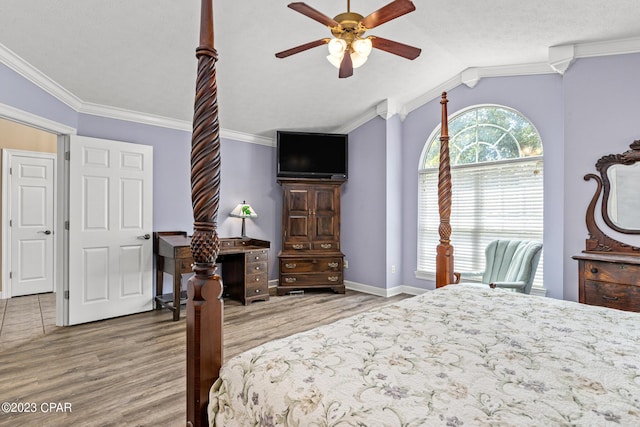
(139, 55)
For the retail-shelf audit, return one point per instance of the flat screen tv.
(312, 155)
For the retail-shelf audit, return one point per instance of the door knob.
(47, 232)
(145, 237)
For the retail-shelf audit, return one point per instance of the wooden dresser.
(310, 256)
(609, 280)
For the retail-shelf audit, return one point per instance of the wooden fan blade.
(307, 10)
(301, 48)
(346, 66)
(387, 13)
(396, 48)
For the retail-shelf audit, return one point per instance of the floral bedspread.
(457, 356)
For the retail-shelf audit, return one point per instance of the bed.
(458, 355)
(447, 357)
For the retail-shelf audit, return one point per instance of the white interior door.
(110, 226)
(31, 223)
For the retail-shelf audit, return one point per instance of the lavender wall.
(363, 219)
(601, 117)
(20, 93)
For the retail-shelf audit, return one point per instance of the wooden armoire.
(311, 257)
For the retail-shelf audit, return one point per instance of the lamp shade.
(243, 210)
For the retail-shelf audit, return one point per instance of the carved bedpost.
(444, 255)
(204, 290)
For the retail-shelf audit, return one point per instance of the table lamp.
(244, 211)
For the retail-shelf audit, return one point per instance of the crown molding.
(358, 121)
(432, 94)
(35, 76)
(606, 48)
(247, 137)
(560, 58)
(20, 116)
(134, 116)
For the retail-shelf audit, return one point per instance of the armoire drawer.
(310, 265)
(311, 279)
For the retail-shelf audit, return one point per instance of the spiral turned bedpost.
(204, 290)
(444, 251)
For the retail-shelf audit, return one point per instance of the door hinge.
(66, 225)
(66, 294)
(67, 155)
(10, 223)
(10, 275)
(10, 171)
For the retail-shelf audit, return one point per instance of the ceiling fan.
(348, 29)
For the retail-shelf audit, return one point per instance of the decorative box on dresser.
(310, 256)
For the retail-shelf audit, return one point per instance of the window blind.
(490, 201)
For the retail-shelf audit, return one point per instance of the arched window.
(496, 173)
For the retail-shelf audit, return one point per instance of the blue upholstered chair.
(512, 264)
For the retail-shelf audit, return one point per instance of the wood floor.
(130, 371)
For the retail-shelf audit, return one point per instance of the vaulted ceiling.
(139, 55)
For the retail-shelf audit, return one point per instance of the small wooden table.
(244, 268)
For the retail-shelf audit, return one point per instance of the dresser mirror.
(619, 183)
(621, 208)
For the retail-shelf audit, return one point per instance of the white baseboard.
(396, 290)
(373, 290)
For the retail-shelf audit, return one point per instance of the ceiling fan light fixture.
(362, 46)
(337, 46)
(348, 29)
(335, 60)
(357, 60)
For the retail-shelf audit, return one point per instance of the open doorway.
(27, 176)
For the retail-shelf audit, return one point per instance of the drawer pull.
(290, 265)
(326, 245)
(257, 291)
(257, 258)
(333, 278)
(257, 268)
(594, 270)
(333, 265)
(297, 246)
(290, 279)
(257, 279)
(608, 298)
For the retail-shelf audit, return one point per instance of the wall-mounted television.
(312, 155)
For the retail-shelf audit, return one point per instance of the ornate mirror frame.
(598, 241)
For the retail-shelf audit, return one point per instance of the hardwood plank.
(131, 370)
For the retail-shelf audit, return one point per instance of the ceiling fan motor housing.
(349, 24)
